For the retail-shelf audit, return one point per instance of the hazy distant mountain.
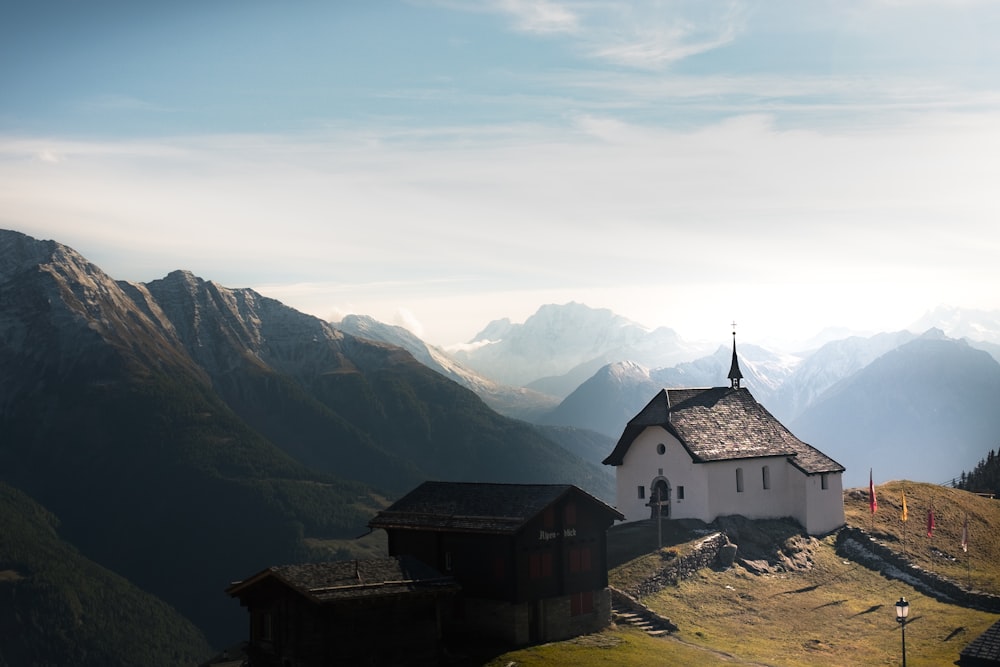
(827, 366)
(977, 325)
(558, 338)
(518, 402)
(606, 401)
(186, 433)
(615, 393)
(925, 410)
(588, 445)
(763, 370)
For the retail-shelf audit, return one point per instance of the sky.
(439, 164)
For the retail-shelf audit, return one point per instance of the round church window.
(661, 448)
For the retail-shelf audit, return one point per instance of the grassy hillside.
(58, 608)
(941, 553)
(836, 612)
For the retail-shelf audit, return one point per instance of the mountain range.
(835, 396)
(171, 436)
(184, 434)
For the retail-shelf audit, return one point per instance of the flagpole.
(968, 555)
(903, 517)
(872, 505)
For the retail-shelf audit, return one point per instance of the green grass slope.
(59, 608)
(837, 612)
(942, 551)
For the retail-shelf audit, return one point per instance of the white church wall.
(710, 489)
(753, 501)
(642, 466)
(825, 506)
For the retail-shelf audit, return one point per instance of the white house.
(705, 453)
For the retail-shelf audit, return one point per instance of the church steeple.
(734, 369)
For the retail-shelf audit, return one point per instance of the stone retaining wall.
(704, 554)
(859, 546)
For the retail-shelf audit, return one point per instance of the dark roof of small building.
(984, 649)
(721, 424)
(478, 507)
(353, 579)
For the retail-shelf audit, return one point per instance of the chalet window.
(581, 603)
(265, 626)
(765, 474)
(498, 568)
(570, 514)
(540, 565)
(739, 480)
(824, 483)
(549, 517)
(642, 492)
(680, 493)
(580, 559)
(447, 561)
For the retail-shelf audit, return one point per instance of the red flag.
(965, 534)
(872, 500)
(930, 522)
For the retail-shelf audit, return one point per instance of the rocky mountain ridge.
(185, 433)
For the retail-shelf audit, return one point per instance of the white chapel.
(705, 453)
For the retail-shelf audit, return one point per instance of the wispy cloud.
(540, 16)
(647, 35)
(741, 199)
(654, 35)
(530, 16)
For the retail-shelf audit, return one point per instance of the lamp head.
(902, 609)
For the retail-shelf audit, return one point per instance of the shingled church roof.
(478, 507)
(721, 424)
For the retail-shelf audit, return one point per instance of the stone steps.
(652, 626)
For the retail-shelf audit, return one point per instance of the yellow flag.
(904, 505)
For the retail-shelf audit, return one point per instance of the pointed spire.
(734, 369)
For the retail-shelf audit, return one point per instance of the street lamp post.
(902, 611)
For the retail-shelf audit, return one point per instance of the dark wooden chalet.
(383, 611)
(984, 650)
(531, 558)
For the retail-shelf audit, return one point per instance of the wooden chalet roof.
(352, 579)
(721, 424)
(984, 649)
(478, 508)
